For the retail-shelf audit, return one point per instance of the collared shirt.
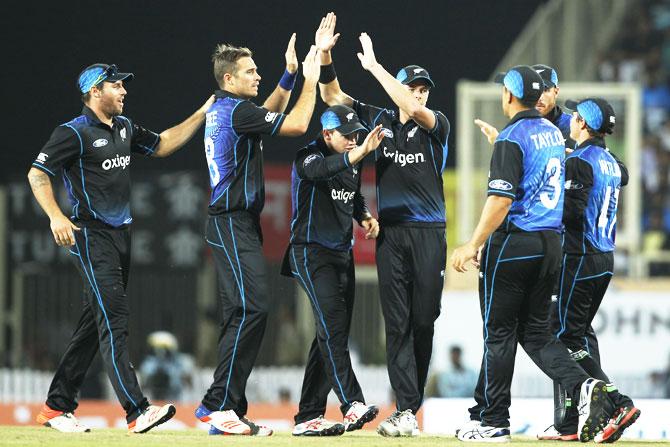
(234, 152)
(594, 177)
(561, 120)
(409, 164)
(527, 166)
(95, 161)
(326, 195)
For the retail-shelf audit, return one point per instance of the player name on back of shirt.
(547, 139)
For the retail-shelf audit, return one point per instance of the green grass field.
(39, 436)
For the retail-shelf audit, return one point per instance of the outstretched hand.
(373, 139)
(311, 66)
(290, 55)
(488, 130)
(325, 38)
(367, 57)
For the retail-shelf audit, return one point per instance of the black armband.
(328, 74)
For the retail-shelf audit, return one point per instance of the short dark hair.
(225, 59)
(86, 97)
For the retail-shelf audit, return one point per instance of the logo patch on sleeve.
(500, 184)
(570, 184)
(310, 159)
(42, 158)
(270, 117)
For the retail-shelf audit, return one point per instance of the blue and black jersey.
(561, 120)
(95, 161)
(594, 178)
(527, 166)
(234, 152)
(409, 165)
(326, 195)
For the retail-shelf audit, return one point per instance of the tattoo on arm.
(38, 180)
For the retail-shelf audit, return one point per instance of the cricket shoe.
(358, 415)
(151, 417)
(61, 421)
(468, 426)
(225, 421)
(318, 427)
(482, 433)
(551, 434)
(400, 423)
(256, 429)
(621, 420)
(592, 415)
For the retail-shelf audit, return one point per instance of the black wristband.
(328, 74)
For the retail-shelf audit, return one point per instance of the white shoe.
(407, 424)
(592, 415)
(481, 433)
(66, 423)
(389, 426)
(468, 426)
(318, 427)
(358, 415)
(225, 421)
(151, 417)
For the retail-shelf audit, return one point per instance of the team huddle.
(547, 228)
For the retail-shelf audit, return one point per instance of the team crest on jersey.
(100, 142)
(355, 172)
(412, 132)
(500, 184)
(388, 133)
(123, 134)
(310, 159)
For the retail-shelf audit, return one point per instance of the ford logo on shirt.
(100, 142)
(500, 184)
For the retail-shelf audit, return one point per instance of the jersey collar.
(225, 94)
(593, 141)
(90, 114)
(529, 113)
(554, 115)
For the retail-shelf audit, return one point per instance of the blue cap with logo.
(548, 75)
(342, 119)
(596, 112)
(413, 73)
(523, 82)
(97, 73)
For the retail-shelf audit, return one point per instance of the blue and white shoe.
(482, 433)
(225, 421)
(256, 429)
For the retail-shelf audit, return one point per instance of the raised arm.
(297, 121)
(325, 39)
(400, 95)
(61, 227)
(278, 100)
(175, 137)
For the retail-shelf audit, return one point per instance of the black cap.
(413, 73)
(523, 82)
(548, 75)
(97, 73)
(597, 113)
(342, 119)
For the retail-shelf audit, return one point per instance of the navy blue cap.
(597, 113)
(342, 119)
(97, 73)
(548, 75)
(412, 73)
(523, 82)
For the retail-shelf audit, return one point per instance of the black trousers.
(582, 285)
(236, 239)
(410, 266)
(328, 278)
(517, 275)
(102, 257)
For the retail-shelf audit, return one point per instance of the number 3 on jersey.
(214, 175)
(554, 171)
